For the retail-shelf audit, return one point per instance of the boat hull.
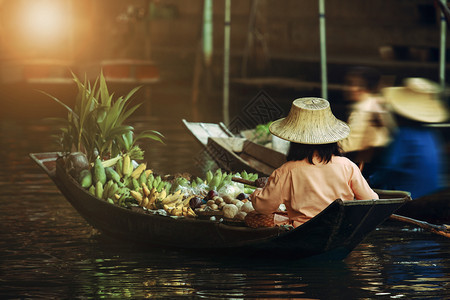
(334, 233)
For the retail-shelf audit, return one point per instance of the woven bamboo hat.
(418, 100)
(310, 121)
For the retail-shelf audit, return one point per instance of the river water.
(48, 251)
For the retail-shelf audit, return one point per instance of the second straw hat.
(310, 121)
(418, 100)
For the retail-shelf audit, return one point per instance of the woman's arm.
(266, 200)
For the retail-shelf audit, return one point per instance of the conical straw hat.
(418, 100)
(310, 121)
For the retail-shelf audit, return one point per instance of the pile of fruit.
(125, 183)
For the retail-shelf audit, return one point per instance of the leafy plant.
(262, 132)
(96, 125)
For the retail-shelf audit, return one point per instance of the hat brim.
(331, 133)
(420, 107)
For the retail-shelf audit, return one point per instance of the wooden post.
(443, 49)
(226, 63)
(207, 32)
(323, 53)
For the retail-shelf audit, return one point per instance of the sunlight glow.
(43, 21)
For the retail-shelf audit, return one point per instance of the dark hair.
(324, 151)
(370, 76)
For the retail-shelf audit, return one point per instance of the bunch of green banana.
(247, 176)
(114, 182)
(108, 191)
(217, 180)
(248, 189)
(158, 183)
(197, 181)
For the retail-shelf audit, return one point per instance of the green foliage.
(96, 125)
(262, 133)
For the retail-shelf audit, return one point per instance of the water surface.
(48, 251)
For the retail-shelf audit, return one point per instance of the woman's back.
(306, 189)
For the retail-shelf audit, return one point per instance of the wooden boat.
(433, 208)
(331, 235)
(233, 152)
(202, 131)
(238, 154)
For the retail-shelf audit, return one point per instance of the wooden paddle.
(244, 181)
(443, 230)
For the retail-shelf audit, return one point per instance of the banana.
(142, 178)
(106, 188)
(160, 186)
(209, 176)
(136, 195)
(168, 187)
(144, 202)
(191, 212)
(186, 201)
(135, 184)
(148, 172)
(92, 190)
(218, 173)
(253, 176)
(137, 172)
(119, 167)
(157, 181)
(215, 181)
(145, 189)
(176, 212)
(99, 190)
(112, 174)
(126, 165)
(150, 179)
(172, 198)
(152, 196)
(110, 162)
(113, 190)
(199, 181)
(162, 194)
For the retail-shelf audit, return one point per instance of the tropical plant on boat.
(259, 135)
(96, 125)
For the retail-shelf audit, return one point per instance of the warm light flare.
(43, 21)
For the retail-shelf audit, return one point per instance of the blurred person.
(415, 160)
(315, 173)
(370, 122)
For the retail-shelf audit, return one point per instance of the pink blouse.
(307, 189)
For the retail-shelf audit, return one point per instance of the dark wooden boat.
(238, 154)
(433, 208)
(332, 234)
(233, 152)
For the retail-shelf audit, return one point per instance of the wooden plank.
(202, 131)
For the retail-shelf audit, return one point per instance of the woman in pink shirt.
(315, 173)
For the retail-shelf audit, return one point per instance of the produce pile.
(101, 152)
(123, 182)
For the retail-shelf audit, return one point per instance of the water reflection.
(412, 264)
